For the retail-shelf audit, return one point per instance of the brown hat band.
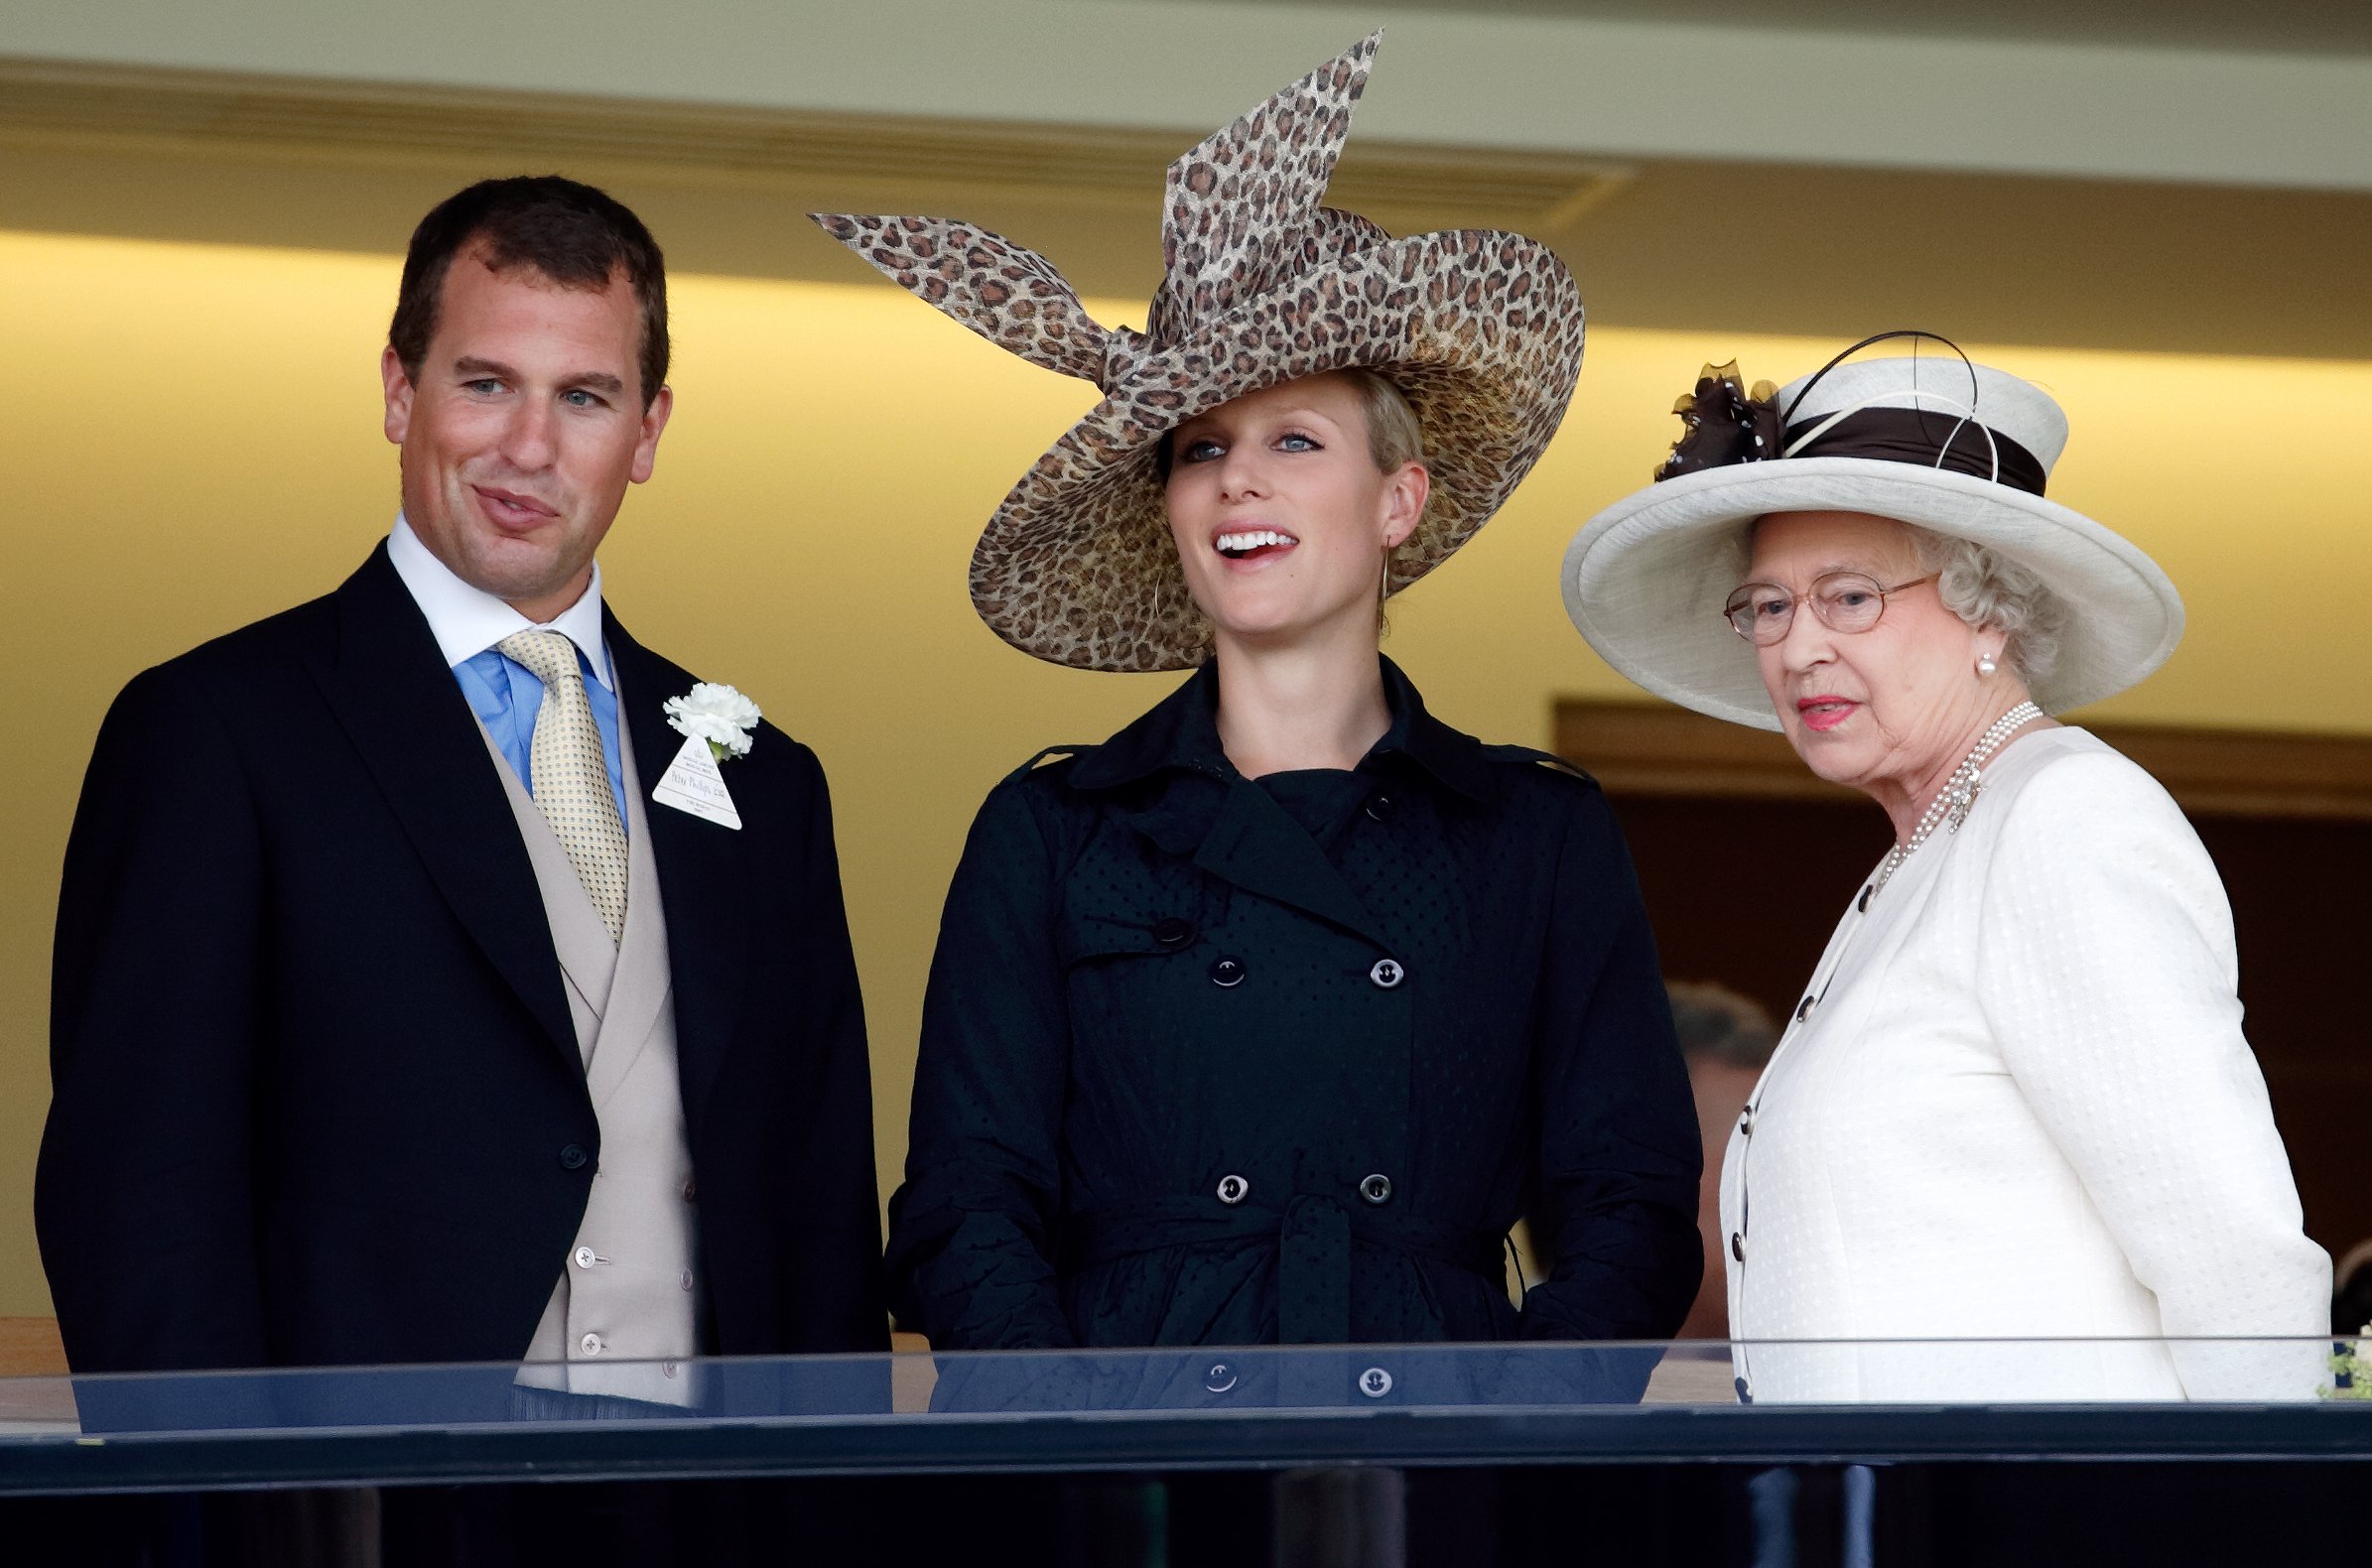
(1932, 440)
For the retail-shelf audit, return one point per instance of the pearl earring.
(1985, 664)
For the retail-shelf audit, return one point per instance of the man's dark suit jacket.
(318, 1097)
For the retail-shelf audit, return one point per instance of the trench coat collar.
(1181, 731)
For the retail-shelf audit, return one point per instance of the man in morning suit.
(394, 1018)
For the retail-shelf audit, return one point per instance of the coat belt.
(1312, 1237)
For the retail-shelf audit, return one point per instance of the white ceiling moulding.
(872, 159)
(1452, 75)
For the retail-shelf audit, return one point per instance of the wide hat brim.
(1480, 331)
(1645, 582)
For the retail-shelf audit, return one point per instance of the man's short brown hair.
(575, 235)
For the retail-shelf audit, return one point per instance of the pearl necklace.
(1951, 803)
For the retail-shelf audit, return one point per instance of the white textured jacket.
(2017, 1104)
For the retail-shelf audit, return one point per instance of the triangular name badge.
(691, 783)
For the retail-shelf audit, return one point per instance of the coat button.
(1803, 1009)
(1375, 1188)
(1375, 1383)
(1746, 1392)
(591, 1344)
(1380, 807)
(1387, 973)
(587, 1257)
(572, 1157)
(1738, 1247)
(1233, 1189)
(1227, 971)
(1746, 1122)
(1864, 904)
(1171, 932)
(1219, 1377)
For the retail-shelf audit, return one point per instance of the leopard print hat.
(1482, 330)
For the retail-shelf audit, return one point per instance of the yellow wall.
(191, 441)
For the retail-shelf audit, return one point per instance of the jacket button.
(1375, 1383)
(1227, 971)
(1863, 905)
(1387, 973)
(1233, 1189)
(1380, 807)
(1804, 1010)
(591, 1344)
(1746, 1122)
(572, 1157)
(1375, 1188)
(1738, 1247)
(587, 1257)
(1746, 1392)
(1171, 932)
(1220, 1377)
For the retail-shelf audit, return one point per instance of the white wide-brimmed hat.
(1959, 448)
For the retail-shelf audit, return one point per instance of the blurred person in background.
(1726, 1040)
(1265, 1019)
(2014, 1102)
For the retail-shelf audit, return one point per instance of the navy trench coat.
(1214, 1061)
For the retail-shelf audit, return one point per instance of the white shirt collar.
(466, 621)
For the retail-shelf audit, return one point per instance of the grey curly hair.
(1985, 588)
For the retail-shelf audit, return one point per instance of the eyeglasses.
(1846, 602)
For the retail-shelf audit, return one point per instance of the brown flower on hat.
(1480, 331)
(1725, 424)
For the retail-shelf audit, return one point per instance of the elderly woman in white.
(2014, 1102)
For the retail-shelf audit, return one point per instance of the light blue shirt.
(468, 623)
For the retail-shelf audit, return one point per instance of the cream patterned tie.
(571, 781)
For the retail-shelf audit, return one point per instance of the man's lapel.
(701, 877)
(390, 689)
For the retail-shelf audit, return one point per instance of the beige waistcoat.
(626, 1308)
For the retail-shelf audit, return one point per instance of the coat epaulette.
(1550, 761)
(1050, 754)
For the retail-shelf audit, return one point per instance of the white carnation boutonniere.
(717, 723)
(719, 714)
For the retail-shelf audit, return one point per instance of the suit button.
(591, 1344)
(1227, 971)
(1380, 807)
(1376, 1189)
(1387, 973)
(1233, 1189)
(1738, 1247)
(1171, 932)
(572, 1157)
